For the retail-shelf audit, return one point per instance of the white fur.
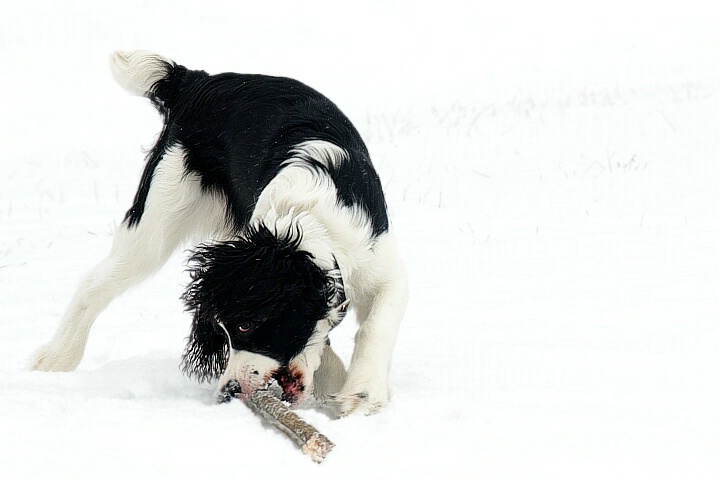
(176, 209)
(139, 70)
(251, 370)
(329, 378)
(373, 274)
(327, 153)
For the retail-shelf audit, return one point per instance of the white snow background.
(552, 172)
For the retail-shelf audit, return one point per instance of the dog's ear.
(206, 353)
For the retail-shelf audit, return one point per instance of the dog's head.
(263, 310)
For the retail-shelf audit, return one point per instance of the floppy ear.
(336, 296)
(207, 351)
(206, 354)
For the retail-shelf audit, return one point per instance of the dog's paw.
(49, 359)
(364, 401)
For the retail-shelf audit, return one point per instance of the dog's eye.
(245, 327)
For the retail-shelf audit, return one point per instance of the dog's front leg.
(366, 387)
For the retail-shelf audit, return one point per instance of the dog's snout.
(291, 383)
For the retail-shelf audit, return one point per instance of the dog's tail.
(150, 75)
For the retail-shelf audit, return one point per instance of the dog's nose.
(229, 391)
(292, 386)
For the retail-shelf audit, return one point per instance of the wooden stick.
(311, 441)
(267, 403)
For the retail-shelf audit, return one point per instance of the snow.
(551, 169)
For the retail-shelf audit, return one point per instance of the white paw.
(367, 400)
(51, 359)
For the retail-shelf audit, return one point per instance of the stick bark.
(270, 407)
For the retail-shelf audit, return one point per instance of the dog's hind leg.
(174, 208)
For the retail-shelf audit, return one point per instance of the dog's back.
(238, 130)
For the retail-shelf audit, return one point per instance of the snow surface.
(552, 171)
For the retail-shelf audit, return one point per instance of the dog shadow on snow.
(140, 377)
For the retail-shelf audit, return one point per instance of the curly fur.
(206, 354)
(261, 283)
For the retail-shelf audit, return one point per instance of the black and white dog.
(279, 185)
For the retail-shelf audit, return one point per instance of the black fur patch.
(268, 295)
(206, 354)
(164, 95)
(236, 131)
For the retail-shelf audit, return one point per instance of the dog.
(275, 187)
